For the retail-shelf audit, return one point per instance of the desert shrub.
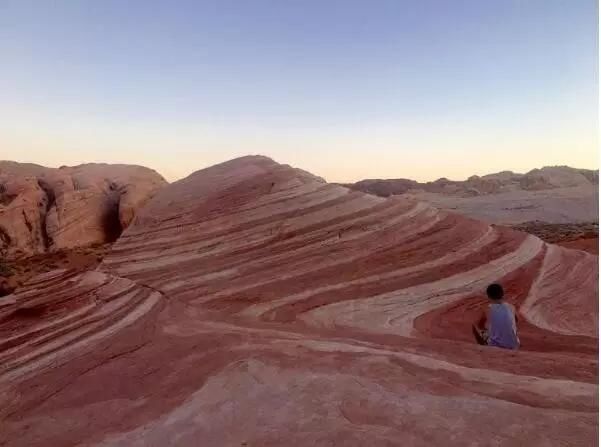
(5, 269)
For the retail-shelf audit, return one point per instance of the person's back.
(502, 331)
(497, 325)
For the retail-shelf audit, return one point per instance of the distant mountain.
(549, 177)
(553, 194)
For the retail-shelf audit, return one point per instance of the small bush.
(5, 269)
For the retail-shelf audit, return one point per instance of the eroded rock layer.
(255, 304)
(42, 209)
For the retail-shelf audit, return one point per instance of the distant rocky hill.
(553, 194)
(550, 177)
(42, 209)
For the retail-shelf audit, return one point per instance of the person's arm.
(481, 323)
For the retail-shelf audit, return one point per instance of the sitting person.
(498, 324)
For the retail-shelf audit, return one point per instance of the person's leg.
(479, 335)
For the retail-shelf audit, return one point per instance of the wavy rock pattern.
(60, 311)
(255, 304)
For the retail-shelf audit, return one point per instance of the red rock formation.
(43, 209)
(589, 244)
(255, 304)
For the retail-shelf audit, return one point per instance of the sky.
(346, 89)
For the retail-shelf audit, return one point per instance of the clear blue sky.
(346, 89)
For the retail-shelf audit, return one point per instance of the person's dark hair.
(495, 291)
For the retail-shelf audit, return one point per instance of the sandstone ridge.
(255, 304)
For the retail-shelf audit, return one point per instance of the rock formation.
(255, 304)
(556, 194)
(43, 209)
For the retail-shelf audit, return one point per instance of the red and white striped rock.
(254, 304)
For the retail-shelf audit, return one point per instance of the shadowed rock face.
(43, 209)
(255, 304)
(554, 194)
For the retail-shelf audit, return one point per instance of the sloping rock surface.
(553, 194)
(254, 304)
(42, 209)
